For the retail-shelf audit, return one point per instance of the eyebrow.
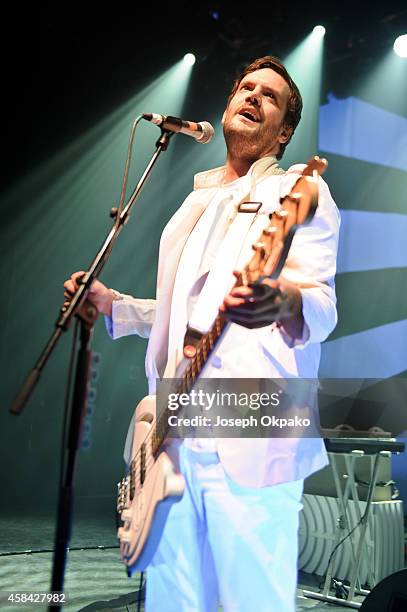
(265, 87)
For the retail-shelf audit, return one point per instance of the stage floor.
(95, 578)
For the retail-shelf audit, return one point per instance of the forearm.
(130, 316)
(316, 319)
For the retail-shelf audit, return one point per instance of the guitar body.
(144, 503)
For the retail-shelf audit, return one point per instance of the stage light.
(400, 46)
(319, 31)
(376, 83)
(304, 64)
(189, 59)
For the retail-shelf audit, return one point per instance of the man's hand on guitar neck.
(99, 294)
(262, 304)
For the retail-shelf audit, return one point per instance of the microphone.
(202, 132)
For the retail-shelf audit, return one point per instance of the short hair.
(294, 106)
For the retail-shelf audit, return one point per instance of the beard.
(241, 145)
(247, 145)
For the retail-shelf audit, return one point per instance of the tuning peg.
(294, 198)
(269, 230)
(259, 247)
(280, 214)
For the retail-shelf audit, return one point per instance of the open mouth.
(249, 115)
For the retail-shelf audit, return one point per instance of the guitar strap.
(220, 278)
(220, 275)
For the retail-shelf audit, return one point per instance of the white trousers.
(226, 544)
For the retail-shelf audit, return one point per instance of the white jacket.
(244, 353)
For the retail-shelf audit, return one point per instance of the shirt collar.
(213, 178)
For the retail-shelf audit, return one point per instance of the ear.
(285, 134)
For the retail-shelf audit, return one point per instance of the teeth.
(249, 116)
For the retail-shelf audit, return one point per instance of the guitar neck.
(191, 373)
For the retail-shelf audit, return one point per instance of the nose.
(254, 96)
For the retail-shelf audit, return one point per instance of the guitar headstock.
(315, 165)
(297, 209)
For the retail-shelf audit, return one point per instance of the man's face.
(253, 120)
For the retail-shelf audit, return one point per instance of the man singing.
(232, 538)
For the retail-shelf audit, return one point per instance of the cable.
(140, 591)
(127, 167)
(346, 537)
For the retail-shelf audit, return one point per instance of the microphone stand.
(87, 315)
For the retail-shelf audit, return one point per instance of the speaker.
(390, 595)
